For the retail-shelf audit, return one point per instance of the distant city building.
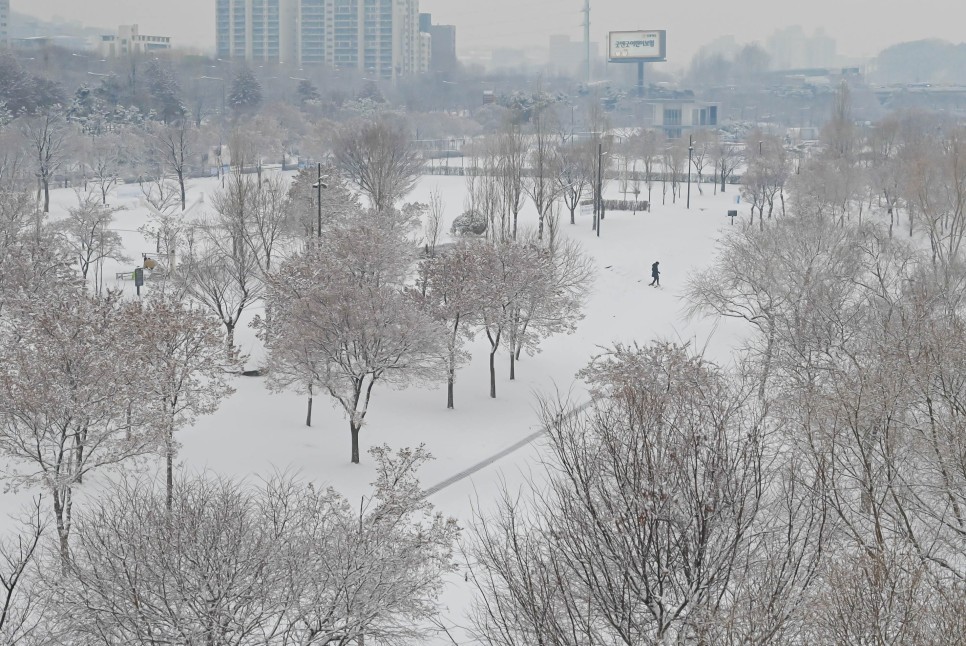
(506, 58)
(128, 40)
(676, 118)
(36, 43)
(256, 30)
(568, 57)
(791, 48)
(4, 23)
(442, 43)
(379, 37)
(312, 45)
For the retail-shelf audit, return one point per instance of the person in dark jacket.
(656, 275)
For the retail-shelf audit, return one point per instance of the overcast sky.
(861, 27)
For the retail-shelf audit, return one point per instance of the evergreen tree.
(245, 94)
(165, 92)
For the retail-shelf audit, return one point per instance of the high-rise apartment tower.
(4, 23)
(378, 37)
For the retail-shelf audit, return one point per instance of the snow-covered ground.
(256, 432)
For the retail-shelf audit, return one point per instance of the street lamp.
(690, 153)
(221, 172)
(319, 185)
(599, 211)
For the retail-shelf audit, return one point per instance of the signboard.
(637, 46)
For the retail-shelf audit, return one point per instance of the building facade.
(4, 23)
(128, 40)
(678, 118)
(378, 37)
(442, 44)
(256, 30)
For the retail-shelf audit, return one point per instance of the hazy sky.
(861, 27)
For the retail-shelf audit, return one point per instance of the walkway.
(493, 458)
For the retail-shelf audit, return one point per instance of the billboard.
(637, 46)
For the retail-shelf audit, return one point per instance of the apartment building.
(4, 23)
(128, 40)
(377, 37)
(256, 30)
(442, 44)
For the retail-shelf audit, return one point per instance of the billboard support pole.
(640, 79)
(587, 40)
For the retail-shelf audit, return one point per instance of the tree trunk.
(493, 374)
(62, 519)
(513, 365)
(169, 475)
(46, 195)
(308, 414)
(79, 444)
(354, 429)
(230, 340)
(449, 389)
(181, 184)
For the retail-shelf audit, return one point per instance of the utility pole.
(600, 185)
(319, 185)
(587, 40)
(690, 153)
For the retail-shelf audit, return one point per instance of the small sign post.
(732, 214)
(138, 279)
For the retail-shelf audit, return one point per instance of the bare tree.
(376, 570)
(47, 136)
(21, 617)
(433, 227)
(185, 362)
(447, 289)
(623, 543)
(553, 303)
(705, 143)
(255, 215)
(104, 157)
(221, 280)
(281, 563)
(485, 195)
(727, 158)
(87, 233)
(576, 175)
(202, 569)
(61, 413)
(543, 169)
(339, 312)
(512, 155)
(378, 156)
(253, 139)
(174, 145)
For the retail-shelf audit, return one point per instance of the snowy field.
(256, 432)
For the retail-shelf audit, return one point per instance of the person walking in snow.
(656, 275)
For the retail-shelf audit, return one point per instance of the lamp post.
(319, 185)
(690, 153)
(221, 173)
(600, 186)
